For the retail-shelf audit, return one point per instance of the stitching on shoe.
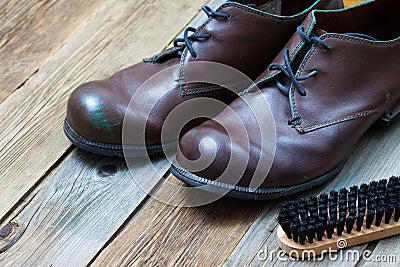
(224, 185)
(263, 14)
(188, 175)
(344, 118)
(360, 40)
(357, 115)
(201, 89)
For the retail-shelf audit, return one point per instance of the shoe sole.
(245, 192)
(390, 117)
(112, 150)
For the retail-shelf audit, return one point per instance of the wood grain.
(386, 253)
(120, 34)
(30, 33)
(77, 211)
(167, 235)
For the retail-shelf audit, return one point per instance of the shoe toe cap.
(208, 152)
(96, 113)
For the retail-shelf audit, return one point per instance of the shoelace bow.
(287, 70)
(186, 41)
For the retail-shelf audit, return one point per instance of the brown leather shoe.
(338, 76)
(244, 36)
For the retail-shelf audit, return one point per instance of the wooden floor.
(60, 206)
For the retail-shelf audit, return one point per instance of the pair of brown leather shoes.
(335, 77)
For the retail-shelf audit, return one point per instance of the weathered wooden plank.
(121, 33)
(166, 235)
(386, 253)
(30, 33)
(375, 157)
(78, 210)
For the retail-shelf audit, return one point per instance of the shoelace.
(181, 43)
(287, 70)
(186, 40)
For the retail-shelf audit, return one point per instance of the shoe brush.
(344, 218)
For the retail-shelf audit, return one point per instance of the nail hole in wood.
(107, 170)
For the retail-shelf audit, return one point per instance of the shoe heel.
(390, 117)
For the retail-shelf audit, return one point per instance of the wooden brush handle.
(337, 242)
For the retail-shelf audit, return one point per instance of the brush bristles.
(343, 211)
